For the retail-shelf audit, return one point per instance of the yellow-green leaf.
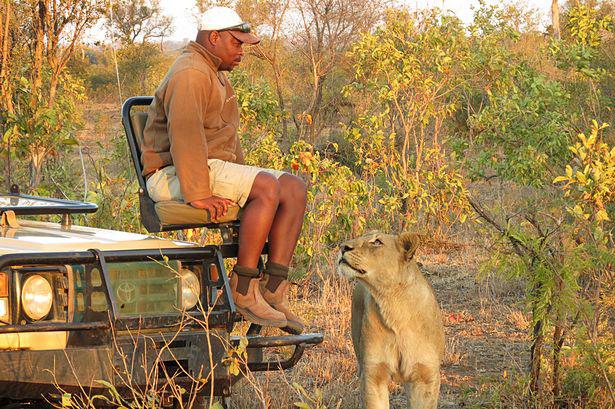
(67, 401)
(581, 177)
(602, 215)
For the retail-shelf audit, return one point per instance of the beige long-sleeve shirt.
(193, 118)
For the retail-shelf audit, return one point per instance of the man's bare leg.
(288, 219)
(257, 217)
(258, 214)
(282, 241)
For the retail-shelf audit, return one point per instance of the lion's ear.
(408, 242)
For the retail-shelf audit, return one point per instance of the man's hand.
(216, 206)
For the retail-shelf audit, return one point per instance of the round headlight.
(36, 297)
(191, 289)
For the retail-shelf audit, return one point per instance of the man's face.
(227, 48)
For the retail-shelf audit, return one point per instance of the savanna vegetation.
(491, 138)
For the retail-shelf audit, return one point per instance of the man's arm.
(239, 158)
(185, 102)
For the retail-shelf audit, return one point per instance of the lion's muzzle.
(345, 266)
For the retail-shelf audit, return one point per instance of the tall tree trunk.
(6, 93)
(537, 344)
(53, 88)
(143, 83)
(558, 341)
(281, 103)
(6, 97)
(311, 110)
(37, 158)
(39, 15)
(314, 131)
(559, 335)
(535, 359)
(555, 19)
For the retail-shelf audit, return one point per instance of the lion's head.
(370, 256)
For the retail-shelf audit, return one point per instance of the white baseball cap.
(226, 19)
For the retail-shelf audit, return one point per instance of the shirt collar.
(211, 59)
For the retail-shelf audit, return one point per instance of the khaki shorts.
(227, 179)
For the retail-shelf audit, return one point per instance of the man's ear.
(213, 37)
(408, 243)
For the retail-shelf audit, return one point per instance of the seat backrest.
(134, 123)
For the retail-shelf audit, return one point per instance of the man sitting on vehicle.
(191, 153)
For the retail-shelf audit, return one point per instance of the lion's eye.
(377, 242)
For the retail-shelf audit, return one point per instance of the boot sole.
(260, 321)
(293, 328)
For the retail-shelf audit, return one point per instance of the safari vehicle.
(81, 305)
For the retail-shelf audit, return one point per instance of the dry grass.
(485, 330)
(329, 367)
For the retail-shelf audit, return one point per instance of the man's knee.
(293, 189)
(266, 187)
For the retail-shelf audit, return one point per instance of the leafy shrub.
(565, 256)
(36, 131)
(114, 190)
(522, 132)
(336, 205)
(406, 75)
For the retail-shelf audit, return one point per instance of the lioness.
(397, 330)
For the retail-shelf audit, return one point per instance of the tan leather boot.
(249, 301)
(275, 287)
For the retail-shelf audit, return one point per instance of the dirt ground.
(486, 338)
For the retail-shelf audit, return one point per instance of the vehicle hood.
(39, 237)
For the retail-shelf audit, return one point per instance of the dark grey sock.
(244, 275)
(277, 274)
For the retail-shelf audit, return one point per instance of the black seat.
(168, 215)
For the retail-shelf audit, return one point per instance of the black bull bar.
(221, 312)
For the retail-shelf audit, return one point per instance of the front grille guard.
(221, 307)
(257, 343)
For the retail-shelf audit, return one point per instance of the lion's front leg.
(423, 392)
(375, 386)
